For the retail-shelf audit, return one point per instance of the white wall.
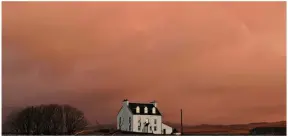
(124, 113)
(169, 129)
(151, 121)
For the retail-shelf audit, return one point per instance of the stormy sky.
(222, 63)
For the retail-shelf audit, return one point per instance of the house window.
(147, 120)
(137, 109)
(146, 110)
(139, 124)
(130, 125)
(154, 110)
(150, 128)
(120, 122)
(155, 121)
(155, 128)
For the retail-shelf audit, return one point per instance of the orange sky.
(222, 63)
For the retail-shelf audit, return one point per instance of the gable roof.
(132, 107)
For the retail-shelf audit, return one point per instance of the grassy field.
(241, 129)
(238, 129)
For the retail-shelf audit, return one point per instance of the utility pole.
(181, 122)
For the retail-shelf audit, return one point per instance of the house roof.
(132, 107)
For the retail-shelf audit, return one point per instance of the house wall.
(169, 129)
(151, 121)
(124, 113)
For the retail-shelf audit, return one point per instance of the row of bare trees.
(52, 119)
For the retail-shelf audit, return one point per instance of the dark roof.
(132, 107)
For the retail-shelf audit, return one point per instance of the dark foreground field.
(238, 129)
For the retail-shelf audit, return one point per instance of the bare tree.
(9, 125)
(45, 120)
(20, 122)
(75, 119)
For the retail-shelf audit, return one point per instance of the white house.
(141, 118)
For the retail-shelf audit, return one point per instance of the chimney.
(154, 103)
(125, 102)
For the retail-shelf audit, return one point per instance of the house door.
(164, 131)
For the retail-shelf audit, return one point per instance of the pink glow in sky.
(221, 62)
